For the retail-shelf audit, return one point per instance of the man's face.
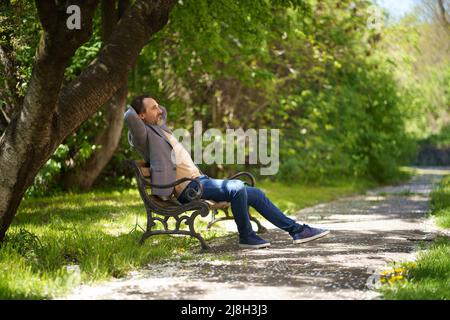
(152, 112)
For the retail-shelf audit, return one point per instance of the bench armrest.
(191, 193)
(247, 174)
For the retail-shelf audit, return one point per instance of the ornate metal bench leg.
(205, 246)
(215, 220)
(190, 222)
(148, 232)
(261, 228)
(144, 237)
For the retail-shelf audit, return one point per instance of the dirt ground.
(368, 233)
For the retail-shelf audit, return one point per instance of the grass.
(56, 243)
(428, 278)
(91, 231)
(440, 203)
(291, 198)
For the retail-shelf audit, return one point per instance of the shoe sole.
(254, 246)
(320, 235)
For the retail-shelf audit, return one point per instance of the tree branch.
(48, 14)
(52, 56)
(110, 16)
(83, 175)
(123, 6)
(109, 71)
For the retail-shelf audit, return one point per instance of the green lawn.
(291, 198)
(51, 236)
(440, 203)
(429, 276)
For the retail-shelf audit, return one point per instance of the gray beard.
(157, 123)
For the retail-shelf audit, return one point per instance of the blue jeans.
(241, 196)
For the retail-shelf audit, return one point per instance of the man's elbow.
(127, 115)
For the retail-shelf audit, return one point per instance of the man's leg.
(258, 200)
(300, 233)
(233, 191)
(241, 196)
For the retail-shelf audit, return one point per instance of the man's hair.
(138, 102)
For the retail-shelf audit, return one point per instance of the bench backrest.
(144, 168)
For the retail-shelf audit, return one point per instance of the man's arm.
(136, 127)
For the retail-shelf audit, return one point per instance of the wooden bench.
(162, 210)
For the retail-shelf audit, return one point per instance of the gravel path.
(368, 232)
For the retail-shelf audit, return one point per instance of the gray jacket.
(152, 144)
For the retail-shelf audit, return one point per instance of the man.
(149, 135)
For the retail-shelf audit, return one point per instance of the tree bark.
(51, 112)
(83, 176)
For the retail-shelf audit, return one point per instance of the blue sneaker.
(253, 242)
(308, 234)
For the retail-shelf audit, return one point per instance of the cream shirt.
(184, 163)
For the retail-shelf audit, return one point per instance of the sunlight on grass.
(430, 277)
(440, 203)
(428, 280)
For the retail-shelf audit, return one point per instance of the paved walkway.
(367, 233)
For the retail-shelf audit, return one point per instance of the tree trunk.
(83, 176)
(51, 112)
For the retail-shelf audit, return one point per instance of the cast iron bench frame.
(162, 210)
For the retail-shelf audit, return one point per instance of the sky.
(397, 8)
